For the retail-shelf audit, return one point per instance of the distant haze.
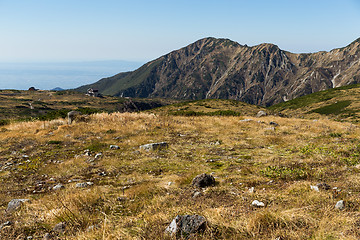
(65, 75)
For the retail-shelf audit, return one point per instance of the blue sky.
(141, 30)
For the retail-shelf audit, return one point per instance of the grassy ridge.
(341, 103)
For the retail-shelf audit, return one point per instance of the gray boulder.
(15, 204)
(184, 226)
(261, 114)
(203, 180)
(154, 146)
(72, 116)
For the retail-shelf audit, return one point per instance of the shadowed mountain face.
(220, 68)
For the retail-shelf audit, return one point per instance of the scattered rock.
(122, 199)
(257, 203)
(251, 190)
(323, 186)
(15, 204)
(246, 120)
(184, 226)
(154, 146)
(58, 186)
(261, 114)
(47, 236)
(60, 227)
(340, 205)
(203, 180)
(84, 184)
(315, 188)
(98, 155)
(270, 129)
(114, 147)
(274, 124)
(197, 194)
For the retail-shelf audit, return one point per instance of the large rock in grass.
(184, 226)
(261, 113)
(203, 180)
(154, 146)
(72, 115)
(15, 204)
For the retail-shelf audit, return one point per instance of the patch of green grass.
(96, 146)
(285, 173)
(335, 108)
(311, 98)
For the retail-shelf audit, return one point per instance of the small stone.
(203, 180)
(58, 187)
(98, 155)
(5, 224)
(246, 120)
(83, 184)
(47, 236)
(274, 124)
(315, 188)
(257, 203)
(114, 147)
(323, 186)
(60, 227)
(15, 204)
(29, 237)
(340, 205)
(251, 190)
(197, 194)
(122, 199)
(170, 183)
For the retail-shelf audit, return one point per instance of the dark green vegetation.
(209, 107)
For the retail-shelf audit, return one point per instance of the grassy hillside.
(209, 107)
(135, 194)
(47, 105)
(341, 103)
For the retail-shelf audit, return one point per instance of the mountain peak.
(221, 68)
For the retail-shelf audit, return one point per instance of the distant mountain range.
(221, 68)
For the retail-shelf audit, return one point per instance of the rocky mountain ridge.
(221, 68)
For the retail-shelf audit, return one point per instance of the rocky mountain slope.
(220, 68)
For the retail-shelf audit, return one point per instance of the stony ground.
(107, 187)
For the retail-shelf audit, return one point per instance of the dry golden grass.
(137, 193)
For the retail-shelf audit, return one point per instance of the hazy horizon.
(66, 75)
